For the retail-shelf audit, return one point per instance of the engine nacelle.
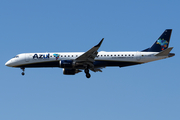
(70, 71)
(66, 64)
(71, 64)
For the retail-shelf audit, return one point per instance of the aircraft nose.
(8, 63)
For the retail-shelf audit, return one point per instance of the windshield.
(16, 56)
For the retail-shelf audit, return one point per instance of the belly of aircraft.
(96, 64)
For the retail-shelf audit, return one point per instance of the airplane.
(75, 62)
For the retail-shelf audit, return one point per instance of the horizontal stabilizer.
(164, 52)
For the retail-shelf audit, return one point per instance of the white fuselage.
(28, 59)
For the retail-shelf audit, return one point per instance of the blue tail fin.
(162, 43)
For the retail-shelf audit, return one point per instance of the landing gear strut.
(87, 73)
(23, 71)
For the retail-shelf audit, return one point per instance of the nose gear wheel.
(23, 69)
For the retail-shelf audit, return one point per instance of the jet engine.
(70, 71)
(71, 64)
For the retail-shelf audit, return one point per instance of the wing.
(90, 54)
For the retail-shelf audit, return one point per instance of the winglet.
(98, 45)
(164, 52)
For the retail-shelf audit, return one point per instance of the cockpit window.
(16, 56)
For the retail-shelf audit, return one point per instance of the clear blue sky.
(144, 92)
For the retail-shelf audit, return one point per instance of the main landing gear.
(23, 71)
(87, 73)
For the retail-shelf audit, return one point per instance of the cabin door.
(27, 57)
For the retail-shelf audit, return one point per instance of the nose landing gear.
(23, 71)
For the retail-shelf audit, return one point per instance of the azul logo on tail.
(163, 43)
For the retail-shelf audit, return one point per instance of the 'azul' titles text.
(41, 56)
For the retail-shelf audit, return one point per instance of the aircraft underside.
(73, 71)
(97, 64)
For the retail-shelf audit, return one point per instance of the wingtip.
(99, 44)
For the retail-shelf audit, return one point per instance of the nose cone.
(8, 63)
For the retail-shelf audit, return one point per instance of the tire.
(88, 75)
(23, 73)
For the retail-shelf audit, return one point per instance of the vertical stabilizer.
(162, 43)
